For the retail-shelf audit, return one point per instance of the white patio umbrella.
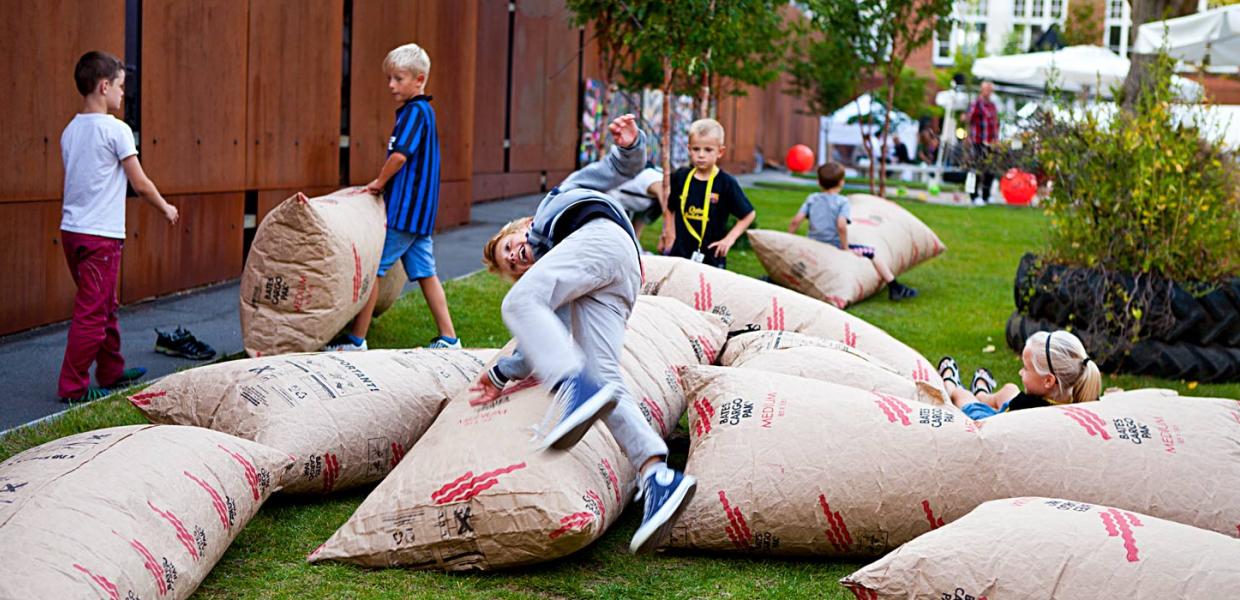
(1075, 68)
(1212, 34)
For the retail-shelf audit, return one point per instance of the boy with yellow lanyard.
(695, 225)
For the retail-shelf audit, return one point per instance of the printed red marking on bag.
(921, 372)
(216, 500)
(148, 560)
(615, 481)
(656, 414)
(101, 581)
(864, 593)
(144, 399)
(737, 529)
(776, 320)
(602, 508)
(251, 475)
(1088, 420)
(467, 486)
(1117, 524)
(838, 533)
(705, 411)
(708, 348)
(183, 535)
(331, 470)
(850, 337)
(702, 298)
(895, 409)
(357, 274)
(398, 452)
(935, 522)
(574, 521)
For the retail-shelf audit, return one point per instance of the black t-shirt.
(727, 199)
(1023, 400)
(580, 214)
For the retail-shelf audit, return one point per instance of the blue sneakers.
(667, 493)
(581, 401)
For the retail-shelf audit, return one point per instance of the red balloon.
(1018, 187)
(799, 159)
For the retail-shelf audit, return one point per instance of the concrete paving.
(30, 361)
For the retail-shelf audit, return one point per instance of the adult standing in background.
(983, 119)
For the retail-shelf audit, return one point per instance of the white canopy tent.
(1074, 69)
(841, 128)
(1212, 34)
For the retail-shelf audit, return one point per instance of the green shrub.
(1139, 193)
(1138, 198)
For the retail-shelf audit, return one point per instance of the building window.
(1032, 17)
(1118, 25)
(967, 30)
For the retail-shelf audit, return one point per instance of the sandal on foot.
(950, 371)
(983, 381)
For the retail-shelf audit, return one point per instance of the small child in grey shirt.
(829, 215)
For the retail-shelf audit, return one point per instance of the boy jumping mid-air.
(577, 270)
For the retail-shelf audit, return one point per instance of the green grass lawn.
(966, 297)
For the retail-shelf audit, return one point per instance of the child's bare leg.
(361, 323)
(997, 399)
(960, 396)
(883, 270)
(432, 289)
(638, 226)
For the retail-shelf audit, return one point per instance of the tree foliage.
(1082, 27)
(884, 33)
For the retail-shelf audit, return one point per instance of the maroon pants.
(95, 263)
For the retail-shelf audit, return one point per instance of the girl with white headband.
(1057, 370)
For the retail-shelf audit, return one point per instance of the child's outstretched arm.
(722, 246)
(841, 223)
(146, 188)
(626, 159)
(389, 169)
(796, 222)
(492, 381)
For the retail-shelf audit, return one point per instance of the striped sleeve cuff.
(497, 377)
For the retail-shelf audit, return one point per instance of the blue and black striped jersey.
(412, 195)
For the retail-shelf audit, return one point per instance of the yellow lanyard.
(684, 196)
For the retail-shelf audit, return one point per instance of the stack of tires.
(1199, 339)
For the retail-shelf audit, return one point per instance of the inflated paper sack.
(474, 493)
(143, 511)
(746, 303)
(827, 360)
(391, 286)
(792, 466)
(838, 276)
(348, 417)
(310, 270)
(1049, 548)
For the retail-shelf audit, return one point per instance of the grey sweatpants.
(586, 284)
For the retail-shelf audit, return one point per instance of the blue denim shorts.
(417, 252)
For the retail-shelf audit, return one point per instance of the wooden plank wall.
(543, 96)
(241, 98)
(446, 30)
(39, 44)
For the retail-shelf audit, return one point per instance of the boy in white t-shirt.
(100, 156)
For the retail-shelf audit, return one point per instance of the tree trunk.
(704, 98)
(866, 142)
(1144, 11)
(665, 136)
(600, 140)
(882, 172)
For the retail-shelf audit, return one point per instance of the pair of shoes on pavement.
(581, 401)
(98, 392)
(182, 343)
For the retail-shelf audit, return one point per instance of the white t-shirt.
(92, 147)
(634, 194)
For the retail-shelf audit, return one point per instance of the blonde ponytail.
(1059, 353)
